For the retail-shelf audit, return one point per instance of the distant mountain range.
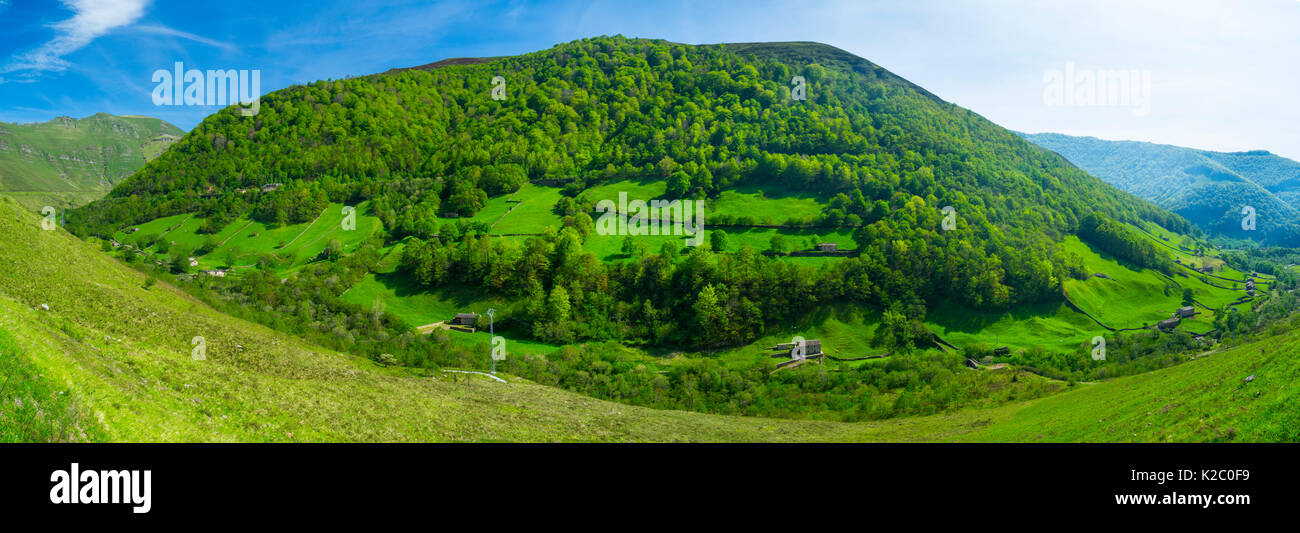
(68, 162)
(1208, 188)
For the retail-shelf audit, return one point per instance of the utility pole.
(492, 334)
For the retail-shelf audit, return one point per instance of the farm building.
(826, 247)
(1168, 323)
(1185, 312)
(465, 319)
(812, 348)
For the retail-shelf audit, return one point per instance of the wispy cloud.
(90, 20)
(172, 32)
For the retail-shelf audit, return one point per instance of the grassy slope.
(122, 354)
(1206, 399)
(67, 162)
(1132, 299)
(111, 360)
(243, 239)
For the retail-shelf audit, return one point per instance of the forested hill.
(424, 142)
(1209, 188)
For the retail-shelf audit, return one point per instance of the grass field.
(645, 189)
(844, 330)
(778, 204)
(1205, 400)
(1053, 326)
(1128, 298)
(398, 295)
(532, 213)
(242, 241)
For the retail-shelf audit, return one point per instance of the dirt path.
(178, 225)
(304, 230)
(237, 232)
(429, 328)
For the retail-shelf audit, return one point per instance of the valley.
(94, 355)
(958, 279)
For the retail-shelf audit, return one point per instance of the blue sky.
(1225, 75)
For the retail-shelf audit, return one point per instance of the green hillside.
(1208, 188)
(69, 162)
(90, 354)
(111, 360)
(868, 161)
(1244, 394)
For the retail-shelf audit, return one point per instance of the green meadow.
(243, 241)
(533, 211)
(779, 203)
(1128, 298)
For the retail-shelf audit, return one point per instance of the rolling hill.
(1208, 188)
(877, 156)
(68, 162)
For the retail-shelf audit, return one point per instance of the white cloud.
(171, 32)
(91, 19)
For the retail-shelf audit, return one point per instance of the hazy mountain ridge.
(1208, 188)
